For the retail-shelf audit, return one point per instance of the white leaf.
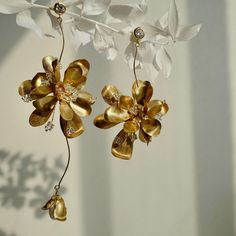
(71, 2)
(103, 40)
(79, 38)
(25, 19)
(148, 53)
(13, 6)
(163, 62)
(95, 7)
(163, 21)
(173, 19)
(132, 14)
(111, 54)
(185, 33)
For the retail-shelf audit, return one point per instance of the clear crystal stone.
(133, 137)
(139, 33)
(59, 8)
(49, 126)
(27, 98)
(70, 131)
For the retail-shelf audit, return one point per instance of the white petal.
(129, 56)
(13, 6)
(185, 33)
(163, 62)
(71, 2)
(25, 19)
(173, 19)
(79, 38)
(95, 7)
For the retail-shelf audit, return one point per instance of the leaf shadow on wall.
(27, 182)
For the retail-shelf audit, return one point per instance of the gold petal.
(39, 80)
(144, 137)
(25, 88)
(143, 92)
(49, 63)
(41, 91)
(83, 64)
(131, 126)
(154, 107)
(122, 146)
(38, 118)
(45, 104)
(81, 107)
(66, 111)
(126, 102)
(50, 203)
(72, 128)
(116, 115)
(86, 97)
(76, 73)
(101, 123)
(164, 108)
(151, 127)
(111, 94)
(58, 211)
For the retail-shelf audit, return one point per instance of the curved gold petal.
(72, 128)
(50, 203)
(83, 64)
(144, 137)
(122, 146)
(45, 104)
(101, 123)
(25, 88)
(81, 107)
(38, 118)
(154, 107)
(66, 111)
(143, 92)
(111, 94)
(58, 211)
(131, 126)
(164, 108)
(86, 97)
(126, 102)
(151, 127)
(41, 91)
(73, 76)
(116, 115)
(49, 63)
(39, 79)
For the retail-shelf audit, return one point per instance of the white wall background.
(183, 184)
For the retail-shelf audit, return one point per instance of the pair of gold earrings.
(139, 115)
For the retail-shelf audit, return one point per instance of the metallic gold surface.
(143, 92)
(122, 146)
(101, 123)
(72, 128)
(138, 113)
(46, 89)
(56, 207)
(111, 94)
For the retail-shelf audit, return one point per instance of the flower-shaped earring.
(47, 89)
(139, 113)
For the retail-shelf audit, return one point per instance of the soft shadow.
(94, 165)
(3, 233)
(212, 119)
(26, 181)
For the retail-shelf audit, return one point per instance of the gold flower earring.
(139, 114)
(45, 90)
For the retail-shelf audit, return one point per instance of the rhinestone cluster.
(49, 126)
(27, 98)
(66, 92)
(59, 8)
